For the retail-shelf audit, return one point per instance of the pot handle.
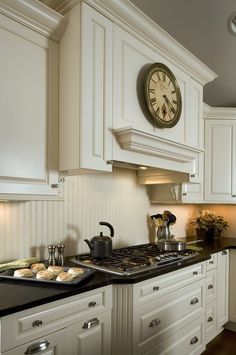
(109, 226)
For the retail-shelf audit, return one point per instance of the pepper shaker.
(51, 258)
(60, 258)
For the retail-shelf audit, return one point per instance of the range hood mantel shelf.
(138, 141)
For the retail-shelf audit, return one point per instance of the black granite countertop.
(18, 295)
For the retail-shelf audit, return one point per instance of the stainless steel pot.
(174, 245)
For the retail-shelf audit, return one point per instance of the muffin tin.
(9, 274)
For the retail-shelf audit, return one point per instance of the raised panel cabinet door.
(28, 112)
(52, 344)
(220, 160)
(92, 336)
(232, 286)
(222, 288)
(85, 136)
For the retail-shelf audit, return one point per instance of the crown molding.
(36, 16)
(220, 113)
(127, 15)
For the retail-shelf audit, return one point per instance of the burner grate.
(131, 260)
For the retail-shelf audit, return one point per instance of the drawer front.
(212, 262)
(157, 320)
(24, 326)
(211, 329)
(211, 286)
(151, 289)
(188, 341)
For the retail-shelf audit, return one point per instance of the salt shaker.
(60, 258)
(51, 252)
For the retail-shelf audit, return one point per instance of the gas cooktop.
(135, 259)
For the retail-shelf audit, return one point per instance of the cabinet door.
(220, 160)
(28, 113)
(86, 91)
(222, 288)
(232, 286)
(52, 344)
(90, 337)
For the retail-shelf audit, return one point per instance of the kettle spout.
(89, 244)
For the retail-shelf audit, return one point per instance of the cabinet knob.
(155, 323)
(224, 252)
(195, 272)
(184, 193)
(92, 304)
(91, 323)
(37, 347)
(37, 323)
(211, 262)
(155, 288)
(233, 195)
(210, 319)
(194, 300)
(210, 286)
(192, 175)
(54, 186)
(194, 340)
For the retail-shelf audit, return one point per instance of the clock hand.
(169, 104)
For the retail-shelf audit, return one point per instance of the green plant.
(209, 220)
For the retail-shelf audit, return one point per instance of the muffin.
(44, 275)
(56, 270)
(64, 277)
(23, 273)
(76, 271)
(37, 267)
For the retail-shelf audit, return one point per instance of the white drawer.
(24, 326)
(212, 262)
(151, 289)
(187, 341)
(211, 329)
(211, 285)
(157, 320)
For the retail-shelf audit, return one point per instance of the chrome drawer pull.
(155, 323)
(224, 252)
(91, 323)
(195, 273)
(194, 340)
(37, 347)
(194, 300)
(210, 286)
(155, 288)
(37, 323)
(211, 262)
(92, 304)
(210, 319)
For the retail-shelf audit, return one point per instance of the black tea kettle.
(101, 246)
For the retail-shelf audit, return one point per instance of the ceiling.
(201, 27)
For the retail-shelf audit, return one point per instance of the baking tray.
(8, 274)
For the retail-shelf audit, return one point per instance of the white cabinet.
(53, 344)
(92, 336)
(154, 316)
(28, 106)
(217, 293)
(222, 288)
(232, 286)
(220, 156)
(85, 137)
(77, 325)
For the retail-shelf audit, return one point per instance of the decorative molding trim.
(127, 15)
(36, 16)
(146, 143)
(220, 113)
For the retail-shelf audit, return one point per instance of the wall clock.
(163, 96)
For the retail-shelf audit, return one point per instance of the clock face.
(163, 96)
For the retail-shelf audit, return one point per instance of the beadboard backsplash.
(26, 228)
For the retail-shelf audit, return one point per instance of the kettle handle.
(109, 226)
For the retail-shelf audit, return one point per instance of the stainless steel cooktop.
(133, 260)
